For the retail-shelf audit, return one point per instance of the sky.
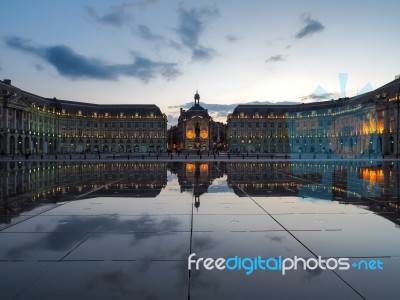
(232, 51)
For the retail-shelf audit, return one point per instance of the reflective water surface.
(125, 230)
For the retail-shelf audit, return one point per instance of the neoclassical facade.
(196, 130)
(38, 125)
(365, 124)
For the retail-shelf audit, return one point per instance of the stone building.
(367, 124)
(36, 125)
(196, 130)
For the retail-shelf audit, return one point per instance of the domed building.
(196, 130)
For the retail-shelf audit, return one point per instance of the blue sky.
(160, 51)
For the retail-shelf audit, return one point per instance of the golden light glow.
(189, 133)
(365, 128)
(372, 125)
(204, 168)
(380, 126)
(373, 176)
(189, 168)
(204, 133)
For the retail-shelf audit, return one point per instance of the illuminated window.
(204, 133)
(190, 168)
(204, 168)
(189, 133)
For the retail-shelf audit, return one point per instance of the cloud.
(118, 15)
(73, 65)
(203, 54)
(115, 17)
(172, 120)
(316, 97)
(192, 23)
(232, 38)
(310, 27)
(219, 112)
(39, 67)
(275, 58)
(148, 35)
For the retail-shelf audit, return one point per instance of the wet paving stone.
(126, 231)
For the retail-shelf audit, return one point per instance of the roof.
(196, 110)
(383, 93)
(85, 108)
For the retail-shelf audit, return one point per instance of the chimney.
(397, 77)
(7, 81)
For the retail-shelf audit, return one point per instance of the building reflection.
(26, 185)
(373, 185)
(196, 177)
